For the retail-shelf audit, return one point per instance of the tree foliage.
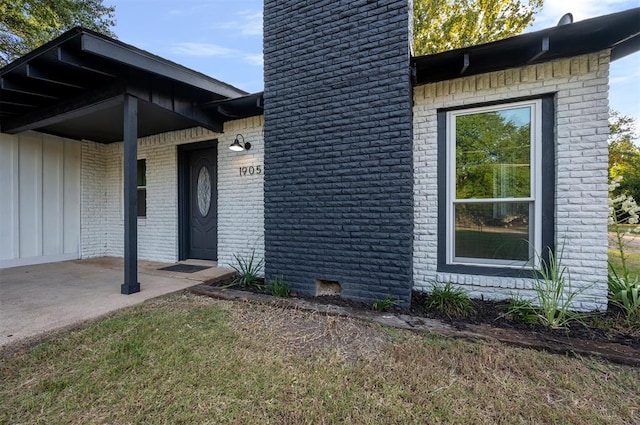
(27, 24)
(441, 25)
(624, 154)
(493, 161)
(492, 157)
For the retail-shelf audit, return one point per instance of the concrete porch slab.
(38, 299)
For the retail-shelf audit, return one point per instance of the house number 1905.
(250, 170)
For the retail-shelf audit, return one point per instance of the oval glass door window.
(204, 191)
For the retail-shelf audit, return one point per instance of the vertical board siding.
(8, 197)
(39, 199)
(30, 196)
(52, 196)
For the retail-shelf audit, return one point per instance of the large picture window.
(494, 185)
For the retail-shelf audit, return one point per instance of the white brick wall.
(113, 209)
(240, 198)
(93, 228)
(102, 210)
(581, 87)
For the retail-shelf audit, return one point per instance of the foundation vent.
(328, 288)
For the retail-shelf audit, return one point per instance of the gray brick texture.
(338, 146)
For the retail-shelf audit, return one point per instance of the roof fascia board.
(142, 60)
(619, 32)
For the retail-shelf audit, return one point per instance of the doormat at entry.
(184, 268)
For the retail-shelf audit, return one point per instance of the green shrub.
(279, 287)
(453, 302)
(625, 293)
(624, 289)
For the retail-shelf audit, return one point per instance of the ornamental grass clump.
(450, 301)
(248, 271)
(551, 305)
(520, 310)
(383, 304)
(554, 294)
(624, 289)
(279, 287)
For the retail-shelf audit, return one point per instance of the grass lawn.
(492, 243)
(191, 360)
(633, 262)
(631, 251)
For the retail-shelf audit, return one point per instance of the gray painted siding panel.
(39, 199)
(52, 197)
(30, 196)
(338, 146)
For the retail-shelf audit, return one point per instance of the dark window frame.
(548, 189)
(141, 188)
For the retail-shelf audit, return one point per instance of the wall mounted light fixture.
(239, 147)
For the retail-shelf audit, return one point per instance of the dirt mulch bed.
(604, 334)
(600, 327)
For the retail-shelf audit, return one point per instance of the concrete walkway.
(35, 300)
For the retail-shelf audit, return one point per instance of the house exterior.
(568, 203)
(368, 170)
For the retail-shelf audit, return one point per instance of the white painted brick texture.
(581, 129)
(102, 208)
(93, 228)
(240, 198)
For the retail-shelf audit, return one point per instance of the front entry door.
(202, 209)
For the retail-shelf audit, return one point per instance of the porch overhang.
(86, 86)
(75, 85)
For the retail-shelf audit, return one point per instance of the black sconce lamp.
(239, 147)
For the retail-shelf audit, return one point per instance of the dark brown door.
(202, 208)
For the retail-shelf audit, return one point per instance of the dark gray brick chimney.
(338, 146)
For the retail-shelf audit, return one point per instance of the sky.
(223, 38)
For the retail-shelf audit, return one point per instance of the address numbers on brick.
(250, 170)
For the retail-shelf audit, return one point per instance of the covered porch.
(88, 87)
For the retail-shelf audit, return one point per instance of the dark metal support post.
(131, 284)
